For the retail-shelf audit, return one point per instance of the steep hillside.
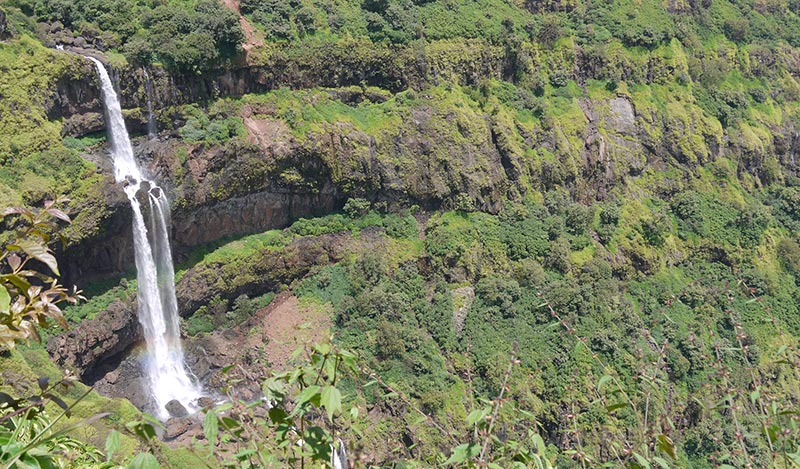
(609, 191)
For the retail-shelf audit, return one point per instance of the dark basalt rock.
(110, 333)
(176, 409)
(5, 33)
(122, 376)
(205, 402)
(263, 272)
(91, 343)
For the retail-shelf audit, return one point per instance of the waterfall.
(339, 456)
(158, 307)
(151, 120)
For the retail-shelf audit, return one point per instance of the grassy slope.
(662, 278)
(26, 364)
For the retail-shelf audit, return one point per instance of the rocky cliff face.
(444, 149)
(76, 98)
(441, 155)
(115, 330)
(95, 340)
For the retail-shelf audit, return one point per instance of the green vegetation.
(184, 36)
(628, 297)
(37, 165)
(622, 314)
(584, 318)
(200, 127)
(32, 433)
(209, 318)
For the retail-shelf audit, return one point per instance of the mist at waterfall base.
(164, 366)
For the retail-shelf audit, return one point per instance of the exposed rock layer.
(113, 331)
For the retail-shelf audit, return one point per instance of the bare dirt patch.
(288, 326)
(253, 37)
(272, 135)
(262, 344)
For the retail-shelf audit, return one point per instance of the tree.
(29, 299)
(29, 296)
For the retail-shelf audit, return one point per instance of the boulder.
(176, 427)
(205, 402)
(81, 124)
(176, 409)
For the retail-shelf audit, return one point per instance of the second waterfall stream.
(164, 364)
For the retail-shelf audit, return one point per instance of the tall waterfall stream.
(164, 365)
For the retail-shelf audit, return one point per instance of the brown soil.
(287, 325)
(270, 134)
(253, 37)
(262, 344)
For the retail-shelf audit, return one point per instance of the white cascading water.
(339, 456)
(158, 306)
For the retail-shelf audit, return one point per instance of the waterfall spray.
(158, 307)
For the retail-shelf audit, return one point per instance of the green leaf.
(474, 417)
(277, 415)
(43, 382)
(354, 412)
(666, 446)
(477, 415)
(59, 402)
(229, 423)
(143, 430)
(244, 454)
(58, 214)
(616, 406)
(39, 252)
(112, 444)
(661, 462)
(18, 211)
(538, 441)
(330, 368)
(603, 381)
(19, 282)
(5, 299)
(332, 400)
(642, 461)
(144, 461)
(27, 461)
(463, 452)
(7, 400)
(773, 432)
(307, 394)
(795, 458)
(211, 427)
